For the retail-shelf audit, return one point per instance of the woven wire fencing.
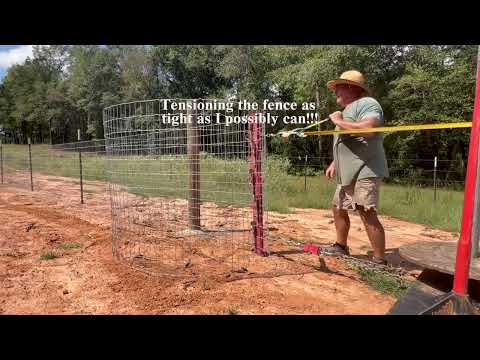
(421, 173)
(183, 192)
(81, 165)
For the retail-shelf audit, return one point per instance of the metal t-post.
(81, 167)
(435, 179)
(305, 173)
(1, 159)
(317, 98)
(30, 162)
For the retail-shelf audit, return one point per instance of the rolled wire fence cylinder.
(186, 190)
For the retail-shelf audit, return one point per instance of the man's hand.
(336, 117)
(330, 171)
(366, 123)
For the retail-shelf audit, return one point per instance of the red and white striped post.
(464, 249)
(256, 149)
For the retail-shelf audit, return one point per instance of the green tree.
(25, 85)
(94, 83)
(437, 86)
(139, 72)
(188, 71)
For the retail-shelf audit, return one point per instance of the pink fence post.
(256, 149)
(464, 248)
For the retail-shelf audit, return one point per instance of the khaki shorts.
(363, 192)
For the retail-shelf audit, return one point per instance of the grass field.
(227, 182)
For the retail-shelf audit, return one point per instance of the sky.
(12, 54)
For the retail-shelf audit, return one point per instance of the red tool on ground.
(311, 248)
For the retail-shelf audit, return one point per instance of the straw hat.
(351, 77)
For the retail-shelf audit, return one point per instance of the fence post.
(317, 103)
(30, 162)
(1, 160)
(193, 154)
(305, 173)
(476, 203)
(81, 169)
(476, 214)
(464, 247)
(435, 179)
(256, 154)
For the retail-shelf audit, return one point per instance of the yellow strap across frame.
(392, 129)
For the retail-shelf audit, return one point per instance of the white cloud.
(15, 56)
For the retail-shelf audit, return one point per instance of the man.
(359, 164)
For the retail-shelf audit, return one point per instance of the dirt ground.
(89, 280)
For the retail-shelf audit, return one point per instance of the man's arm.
(366, 123)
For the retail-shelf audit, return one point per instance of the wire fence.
(148, 175)
(432, 173)
(38, 167)
(181, 195)
(79, 165)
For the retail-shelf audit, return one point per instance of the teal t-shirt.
(357, 157)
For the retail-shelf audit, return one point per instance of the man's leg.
(367, 192)
(375, 231)
(342, 225)
(341, 200)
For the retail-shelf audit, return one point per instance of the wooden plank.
(438, 256)
(419, 297)
(431, 289)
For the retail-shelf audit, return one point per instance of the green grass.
(68, 246)
(408, 203)
(48, 256)
(54, 162)
(383, 281)
(226, 182)
(418, 205)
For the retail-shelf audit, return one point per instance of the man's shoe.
(379, 260)
(333, 250)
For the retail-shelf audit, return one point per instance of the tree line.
(62, 88)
